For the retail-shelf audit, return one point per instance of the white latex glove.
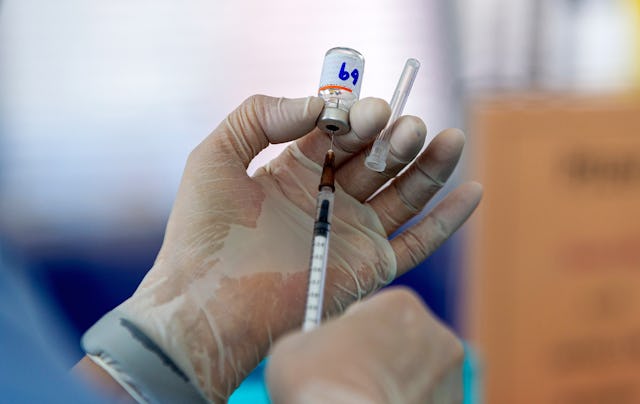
(231, 275)
(386, 349)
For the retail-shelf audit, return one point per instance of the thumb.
(258, 121)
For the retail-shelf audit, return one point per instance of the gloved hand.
(386, 349)
(231, 275)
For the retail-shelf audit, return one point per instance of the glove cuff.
(137, 363)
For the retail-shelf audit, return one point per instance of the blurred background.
(101, 102)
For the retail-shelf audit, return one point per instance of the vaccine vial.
(340, 83)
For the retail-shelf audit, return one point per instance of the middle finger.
(406, 140)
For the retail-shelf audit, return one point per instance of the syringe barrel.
(319, 258)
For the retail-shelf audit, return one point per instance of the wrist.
(136, 362)
(101, 380)
(205, 330)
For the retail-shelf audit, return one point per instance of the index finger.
(367, 118)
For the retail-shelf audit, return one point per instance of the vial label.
(342, 72)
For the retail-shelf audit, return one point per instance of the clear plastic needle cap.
(377, 158)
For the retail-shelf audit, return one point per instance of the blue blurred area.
(86, 278)
(30, 370)
(253, 389)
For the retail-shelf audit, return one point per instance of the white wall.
(103, 100)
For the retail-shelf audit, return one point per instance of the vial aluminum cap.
(334, 121)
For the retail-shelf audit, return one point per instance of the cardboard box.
(553, 257)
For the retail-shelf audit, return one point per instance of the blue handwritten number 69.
(344, 75)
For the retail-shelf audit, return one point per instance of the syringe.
(377, 159)
(320, 245)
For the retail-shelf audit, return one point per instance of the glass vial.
(339, 88)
